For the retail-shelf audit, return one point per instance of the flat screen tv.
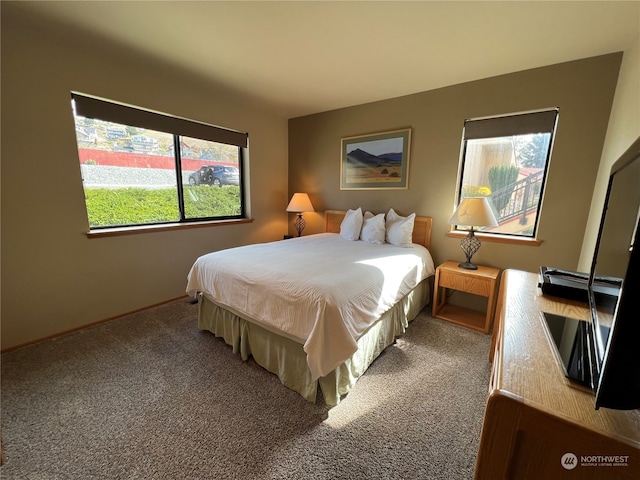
(613, 336)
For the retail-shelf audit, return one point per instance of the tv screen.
(614, 290)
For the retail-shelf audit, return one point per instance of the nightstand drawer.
(465, 283)
(482, 282)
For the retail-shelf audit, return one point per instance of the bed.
(315, 310)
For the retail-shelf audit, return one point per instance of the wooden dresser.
(537, 425)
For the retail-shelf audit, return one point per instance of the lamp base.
(299, 223)
(468, 266)
(470, 245)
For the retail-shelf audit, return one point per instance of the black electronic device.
(603, 354)
(614, 331)
(564, 283)
(575, 285)
(570, 337)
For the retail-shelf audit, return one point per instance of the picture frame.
(378, 161)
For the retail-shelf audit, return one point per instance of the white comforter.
(320, 290)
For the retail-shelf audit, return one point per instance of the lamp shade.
(474, 212)
(300, 203)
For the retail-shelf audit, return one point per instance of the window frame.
(97, 108)
(498, 126)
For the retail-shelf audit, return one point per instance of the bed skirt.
(287, 359)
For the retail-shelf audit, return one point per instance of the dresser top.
(528, 363)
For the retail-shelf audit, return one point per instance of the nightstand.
(482, 281)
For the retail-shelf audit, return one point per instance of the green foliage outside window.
(469, 191)
(131, 206)
(502, 176)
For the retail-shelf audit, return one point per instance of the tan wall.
(53, 277)
(583, 90)
(624, 129)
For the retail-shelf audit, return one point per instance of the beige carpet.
(149, 396)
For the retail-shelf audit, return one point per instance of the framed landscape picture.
(375, 161)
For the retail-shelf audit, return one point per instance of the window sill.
(119, 231)
(532, 242)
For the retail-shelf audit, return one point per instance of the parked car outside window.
(215, 175)
(136, 163)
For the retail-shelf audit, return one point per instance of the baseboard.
(92, 324)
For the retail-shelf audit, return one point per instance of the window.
(144, 168)
(506, 159)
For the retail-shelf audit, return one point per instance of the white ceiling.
(303, 57)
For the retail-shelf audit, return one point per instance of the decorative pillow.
(399, 230)
(351, 224)
(373, 228)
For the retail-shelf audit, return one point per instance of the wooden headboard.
(421, 226)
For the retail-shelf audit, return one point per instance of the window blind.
(543, 121)
(98, 108)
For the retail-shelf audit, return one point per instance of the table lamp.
(300, 203)
(472, 212)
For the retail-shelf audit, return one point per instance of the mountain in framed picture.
(376, 161)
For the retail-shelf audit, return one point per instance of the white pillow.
(399, 229)
(351, 224)
(373, 228)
